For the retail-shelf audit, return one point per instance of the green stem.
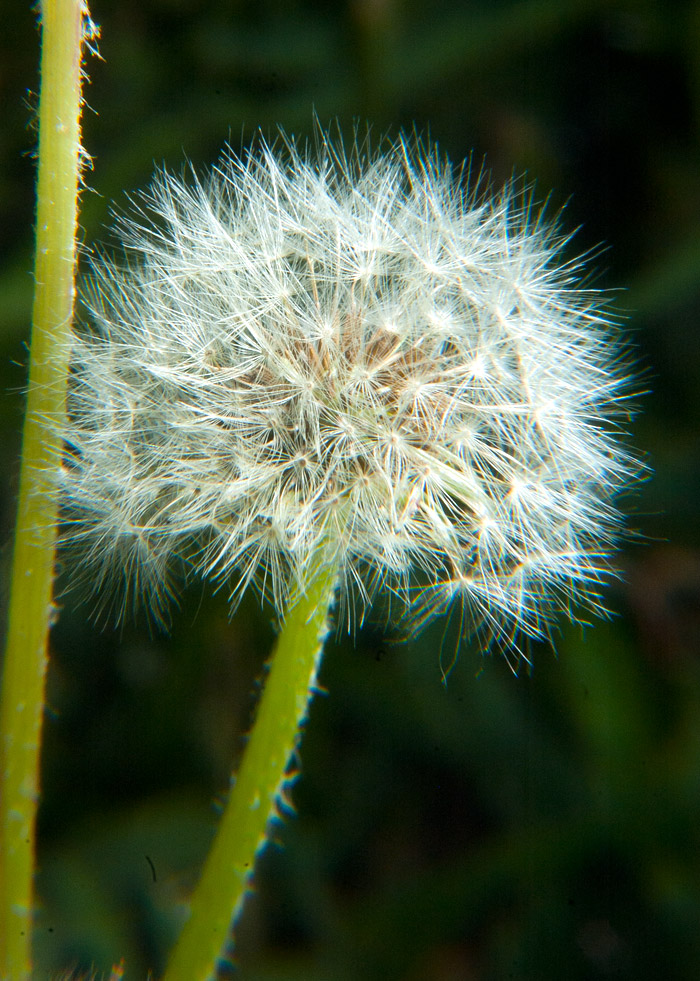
(259, 786)
(21, 708)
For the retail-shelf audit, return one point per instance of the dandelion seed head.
(349, 357)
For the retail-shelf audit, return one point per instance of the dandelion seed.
(351, 358)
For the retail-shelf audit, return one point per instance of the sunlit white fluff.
(352, 358)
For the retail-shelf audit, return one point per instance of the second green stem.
(259, 786)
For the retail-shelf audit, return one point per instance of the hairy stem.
(64, 30)
(259, 787)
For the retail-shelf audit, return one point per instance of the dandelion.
(351, 359)
(346, 373)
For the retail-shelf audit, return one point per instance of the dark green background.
(543, 826)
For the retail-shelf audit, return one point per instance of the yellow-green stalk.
(63, 28)
(258, 789)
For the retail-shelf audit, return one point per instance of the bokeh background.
(538, 826)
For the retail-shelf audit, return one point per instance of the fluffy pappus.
(348, 357)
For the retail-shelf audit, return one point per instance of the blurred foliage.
(540, 826)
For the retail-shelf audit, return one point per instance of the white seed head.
(351, 358)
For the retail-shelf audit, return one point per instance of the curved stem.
(21, 708)
(259, 787)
